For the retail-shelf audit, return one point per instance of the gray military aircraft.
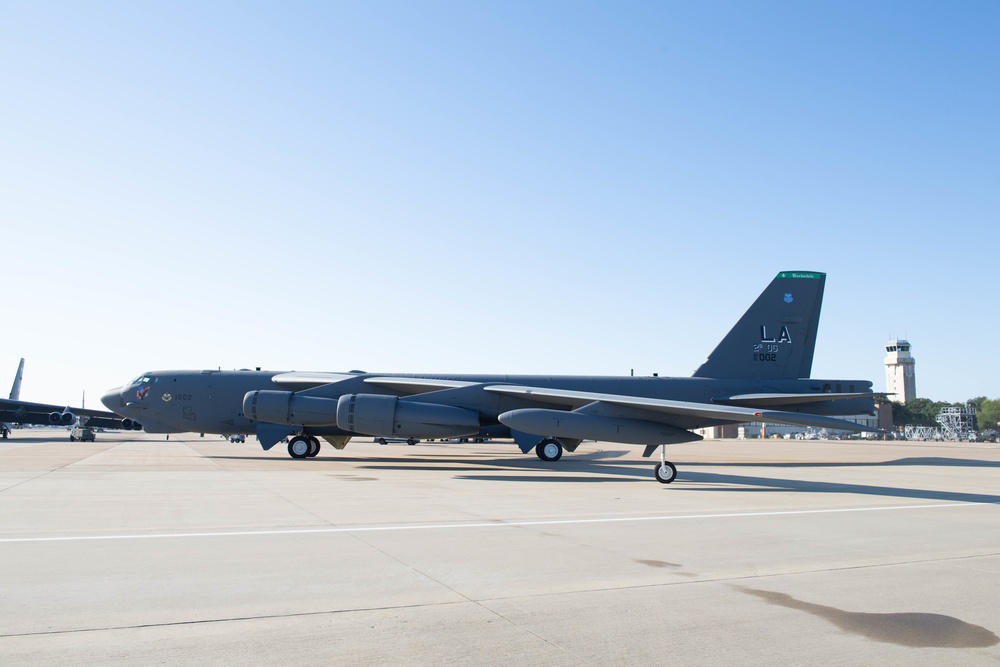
(758, 373)
(16, 411)
(15, 395)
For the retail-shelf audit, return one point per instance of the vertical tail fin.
(776, 337)
(15, 390)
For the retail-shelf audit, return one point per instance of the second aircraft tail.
(15, 390)
(776, 337)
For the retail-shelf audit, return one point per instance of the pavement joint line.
(56, 469)
(478, 603)
(232, 619)
(492, 524)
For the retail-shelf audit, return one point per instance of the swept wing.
(24, 412)
(666, 411)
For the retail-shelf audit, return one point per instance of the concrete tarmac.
(138, 550)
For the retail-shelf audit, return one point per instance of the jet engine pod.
(131, 425)
(377, 415)
(64, 418)
(286, 407)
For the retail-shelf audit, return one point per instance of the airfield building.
(900, 381)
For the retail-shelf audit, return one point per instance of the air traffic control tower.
(900, 382)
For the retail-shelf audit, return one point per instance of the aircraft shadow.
(749, 484)
(601, 467)
(913, 461)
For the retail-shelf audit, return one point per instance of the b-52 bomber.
(15, 411)
(758, 373)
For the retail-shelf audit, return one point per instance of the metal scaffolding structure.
(958, 423)
(921, 433)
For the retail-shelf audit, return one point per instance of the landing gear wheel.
(299, 447)
(549, 450)
(313, 447)
(411, 441)
(665, 472)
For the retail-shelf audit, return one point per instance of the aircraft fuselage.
(212, 401)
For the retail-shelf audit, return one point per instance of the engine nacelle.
(286, 407)
(64, 418)
(377, 415)
(131, 425)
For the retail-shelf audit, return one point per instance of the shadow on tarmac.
(606, 466)
(937, 461)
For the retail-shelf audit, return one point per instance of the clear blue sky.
(524, 187)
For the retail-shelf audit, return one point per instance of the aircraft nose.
(112, 399)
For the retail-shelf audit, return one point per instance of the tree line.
(924, 412)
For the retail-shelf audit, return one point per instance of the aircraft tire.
(411, 442)
(313, 447)
(665, 472)
(299, 447)
(549, 450)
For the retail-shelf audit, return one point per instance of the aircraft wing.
(298, 381)
(413, 385)
(762, 400)
(23, 412)
(657, 409)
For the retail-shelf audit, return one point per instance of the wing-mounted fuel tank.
(378, 415)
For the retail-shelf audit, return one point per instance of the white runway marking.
(491, 524)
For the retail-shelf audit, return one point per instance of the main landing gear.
(665, 471)
(549, 450)
(303, 446)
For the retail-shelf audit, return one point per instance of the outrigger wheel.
(665, 472)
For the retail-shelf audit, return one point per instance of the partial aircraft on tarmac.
(758, 373)
(15, 411)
